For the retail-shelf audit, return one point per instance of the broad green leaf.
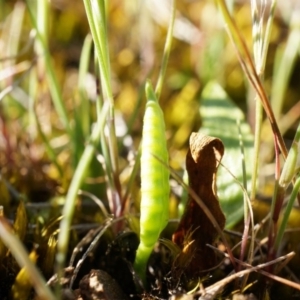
(219, 119)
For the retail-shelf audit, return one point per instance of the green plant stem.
(267, 36)
(260, 45)
(249, 69)
(290, 169)
(133, 175)
(85, 58)
(246, 207)
(97, 19)
(101, 22)
(40, 23)
(96, 14)
(276, 204)
(287, 213)
(69, 207)
(257, 140)
(42, 50)
(167, 51)
(287, 61)
(82, 120)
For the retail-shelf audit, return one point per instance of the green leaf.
(219, 119)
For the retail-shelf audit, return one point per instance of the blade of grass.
(261, 41)
(247, 206)
(82, 120)
(249, 69)
(283, 73)
(20, 254)
(276, 204)
(132, 178)
(167, 51)
(40, 23)
(85, 58)
(69, 207)
(95, 11)
(96, 14)
(287, 213)
(290, 169)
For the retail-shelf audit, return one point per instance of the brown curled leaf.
(195, 229)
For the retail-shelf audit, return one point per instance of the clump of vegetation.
(94, 190)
